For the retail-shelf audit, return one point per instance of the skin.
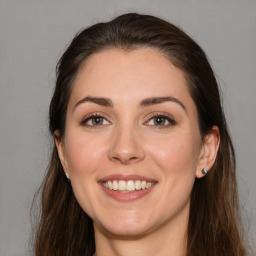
(127, 141)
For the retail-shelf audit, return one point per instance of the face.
(132, 146)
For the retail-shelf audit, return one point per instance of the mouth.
(127, 187)
(124, 186)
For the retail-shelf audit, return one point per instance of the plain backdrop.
(34, 34)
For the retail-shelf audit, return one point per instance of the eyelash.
(163, 116)
(85, 121)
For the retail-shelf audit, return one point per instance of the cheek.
(84, 153)
(175, 155)
(84, 156)
(174, 158)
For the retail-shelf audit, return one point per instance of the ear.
(209, 150)
(61, 151)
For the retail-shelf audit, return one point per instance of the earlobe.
(208, 152)
(61, 150)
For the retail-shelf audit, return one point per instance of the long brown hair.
(214, 223)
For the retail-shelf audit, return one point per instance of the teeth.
(130, 185)
(115, 185)
(122, 185)
(110, 186)
(143, 184)
(127, 186)
(138, 184)
(148, 185)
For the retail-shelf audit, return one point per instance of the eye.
(94, 121)
(161, 121)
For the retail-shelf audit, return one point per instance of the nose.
(126, 146)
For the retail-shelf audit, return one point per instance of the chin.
(123, 224)
(125, 230)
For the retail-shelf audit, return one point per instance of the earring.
(204, 171)
(67, 176)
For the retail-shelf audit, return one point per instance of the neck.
(169, 240)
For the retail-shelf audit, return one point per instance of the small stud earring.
(204, 171)
(67, 176)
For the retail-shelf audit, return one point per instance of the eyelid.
(90, 116)
(168, 117)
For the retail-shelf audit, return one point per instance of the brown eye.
(94, 121)
(161, 121)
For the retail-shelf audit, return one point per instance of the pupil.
(97, 120)
(159, 120)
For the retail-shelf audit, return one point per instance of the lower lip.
(127, 196)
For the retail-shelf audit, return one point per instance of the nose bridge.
(126, 146)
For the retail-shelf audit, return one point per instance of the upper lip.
(125, 177)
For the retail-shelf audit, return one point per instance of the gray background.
(33, 35)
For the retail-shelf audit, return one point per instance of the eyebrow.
(100, 101)
(159, 100)
(144, 103)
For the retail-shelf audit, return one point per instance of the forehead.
(134, 74)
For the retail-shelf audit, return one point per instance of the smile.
(127, 186)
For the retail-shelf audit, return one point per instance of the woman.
(142, 162)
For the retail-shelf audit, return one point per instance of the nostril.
(126, 147)
(133, 158)
(125, 160)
